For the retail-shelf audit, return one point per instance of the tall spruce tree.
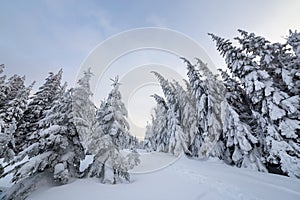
(160, 125)
(109, 134)
(277, 110)
(42, 100)
(2, 86)
(213, 144)
(10, 114)
(84, 108)
(243, 143)
(53, 155)
(292, 64)
(273, 58)
(198, 90)
(189, 122)
(157, 135)
(113, 119)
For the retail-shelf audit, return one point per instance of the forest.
(247, 116)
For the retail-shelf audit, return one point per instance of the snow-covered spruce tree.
(199, 90)
(160, 125)
(293, 63)
(14, 85)
(2, 86)
(274, 58)
(278, 112)
(100, 112)
(189, 122)
(109, 164)
(213, 144)
(240, 132)
(113, 121)
(42, 100)
(4, 139)
(149, 139)
(134, 142)
(10, 115)
(198, 139)
(54, 157)
(177, 140)
(10, 88)
(294, 41)
(84, 108)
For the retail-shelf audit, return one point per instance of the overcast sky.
(41, 36)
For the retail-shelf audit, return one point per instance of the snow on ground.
(153, 161)
(185, 179)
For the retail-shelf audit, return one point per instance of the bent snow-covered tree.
(213, 144)
(189, 122)
(208, 93)
(177, 141)
(160, 125)
(197, 90)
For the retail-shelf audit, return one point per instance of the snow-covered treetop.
(159, 100)
(115, 98)
(294, 40)
(2, 66)
(116, 82)
(85, 80)
(2, 78)
(204, 69)
(167, 88)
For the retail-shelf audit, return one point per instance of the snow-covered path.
(185, 179)
(219, 181)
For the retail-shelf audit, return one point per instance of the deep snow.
(180, 179)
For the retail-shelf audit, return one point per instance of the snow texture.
(185, 179)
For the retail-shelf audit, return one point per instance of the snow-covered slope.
(183, 179)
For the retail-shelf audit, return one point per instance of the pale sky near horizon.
(41, 36)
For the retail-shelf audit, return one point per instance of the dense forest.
(248, 116)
